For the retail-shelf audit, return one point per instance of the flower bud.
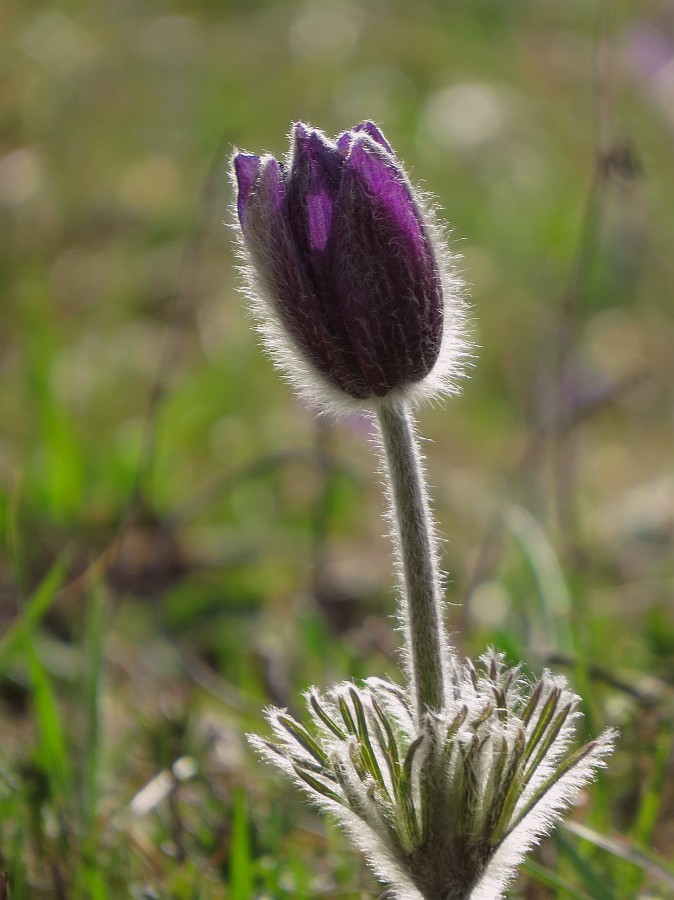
(344, 271)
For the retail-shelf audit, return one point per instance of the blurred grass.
(219, 548)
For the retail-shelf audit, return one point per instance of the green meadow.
(183, 542)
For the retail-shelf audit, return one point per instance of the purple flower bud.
(344, 263)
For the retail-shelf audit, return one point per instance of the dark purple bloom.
(342, 253)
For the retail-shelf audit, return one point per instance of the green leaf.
(240, 861)
(303, 738)
(387, 743)
(91, 689)
(405, 790)
(346, 715)
(552, 880)
(550, 737)
(654, 865)
(594, 881)
(512, 787)
(369, 758)
(571, 759)
(325, 718)
(544, 719)
(317, 785)
(33, 611)
(52, 737)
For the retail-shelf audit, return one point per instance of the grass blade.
(240, 863)
(52, 738)
(91, 692)
(552, 880)
(657, 868)
(35, 608)
(594, 881)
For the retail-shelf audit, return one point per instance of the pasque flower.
(352, 286)
(446, 782)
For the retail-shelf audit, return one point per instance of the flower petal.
(344, 142)
(247, 170)
(314, 179)
(384, 270)
(283, 274)
(313, 184)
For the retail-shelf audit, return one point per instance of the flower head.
(445, 809)
(351, 285)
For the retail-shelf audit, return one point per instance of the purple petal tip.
(247, 170)
(371, 129)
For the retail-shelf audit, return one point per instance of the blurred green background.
(184, 542)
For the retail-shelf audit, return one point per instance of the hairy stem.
(416, 543)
